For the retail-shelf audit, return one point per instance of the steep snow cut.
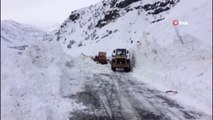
(180, 58)
(37, 83)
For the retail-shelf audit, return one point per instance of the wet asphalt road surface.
(117, 96)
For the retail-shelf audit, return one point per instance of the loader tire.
(113, 69)
(127, 69)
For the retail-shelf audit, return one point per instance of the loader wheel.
(113, 69)
(127, 69)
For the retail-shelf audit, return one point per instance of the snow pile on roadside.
(166, 64)
(37, 82)
(77, 72)
(31, 83)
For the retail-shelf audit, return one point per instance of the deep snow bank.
(31, 83)
(165, 63)
(37, 83)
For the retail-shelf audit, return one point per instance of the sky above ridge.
(41, 13)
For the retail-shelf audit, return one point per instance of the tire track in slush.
(168, 109)
(126, 108)
(117, 96)
(137, 108)
(143, 102)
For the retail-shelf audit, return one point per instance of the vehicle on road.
(101, 58)
(121, 59)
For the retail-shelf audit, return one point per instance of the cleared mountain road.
(117, 96)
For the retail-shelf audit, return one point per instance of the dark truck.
(101, 58)
(121, 59)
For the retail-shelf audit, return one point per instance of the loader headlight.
(113, 56)
(128, 56)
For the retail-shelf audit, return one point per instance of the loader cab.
(120, 52)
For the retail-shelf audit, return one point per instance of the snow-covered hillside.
(110, 24)
(17, 34)
(168, 57)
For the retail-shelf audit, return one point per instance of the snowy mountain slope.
(98, 26)
(168, 57)
(17, 34)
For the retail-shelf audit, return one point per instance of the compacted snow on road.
(118, 96)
